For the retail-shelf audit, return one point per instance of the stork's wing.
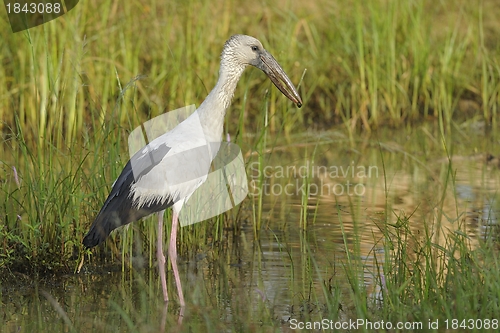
(118, 209)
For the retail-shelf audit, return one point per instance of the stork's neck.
(213, 109)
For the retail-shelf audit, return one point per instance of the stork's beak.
(270, 66)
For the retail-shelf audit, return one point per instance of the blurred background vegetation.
(72, 89)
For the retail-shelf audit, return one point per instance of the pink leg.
(172, 252)
(161, 257)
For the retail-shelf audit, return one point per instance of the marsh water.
(326, 202)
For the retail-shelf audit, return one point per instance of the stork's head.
(242, 50)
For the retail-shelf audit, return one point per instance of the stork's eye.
(255, 48)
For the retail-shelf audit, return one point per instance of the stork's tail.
(118, 211)
(104, 223)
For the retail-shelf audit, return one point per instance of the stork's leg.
(160, 256)
(172, 253)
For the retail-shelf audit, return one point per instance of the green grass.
(427, 280)
(367, 65)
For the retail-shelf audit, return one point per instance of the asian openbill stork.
(167, 171)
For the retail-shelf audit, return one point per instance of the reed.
(72, 89)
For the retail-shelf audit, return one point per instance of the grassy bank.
(367, 64)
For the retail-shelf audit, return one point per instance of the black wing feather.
(118, 209)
